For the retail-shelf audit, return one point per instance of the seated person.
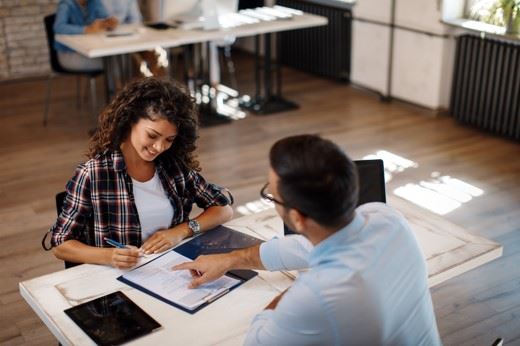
(125, 11)
(74, 17)
(140, 182)
(367, 283)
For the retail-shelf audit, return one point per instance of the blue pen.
(114, 243)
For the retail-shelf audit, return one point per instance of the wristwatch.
(194, 226)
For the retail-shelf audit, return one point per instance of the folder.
(156, 278)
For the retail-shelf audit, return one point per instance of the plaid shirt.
(100, 201)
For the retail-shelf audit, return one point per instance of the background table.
(99, 45)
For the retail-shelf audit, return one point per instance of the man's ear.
(298, 220)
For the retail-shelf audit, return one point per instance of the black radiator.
(486, 85)
(323, 50)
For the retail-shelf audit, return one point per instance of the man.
(367, 283)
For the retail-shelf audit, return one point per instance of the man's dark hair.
(316, 178)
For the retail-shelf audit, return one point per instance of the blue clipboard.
(218, 240)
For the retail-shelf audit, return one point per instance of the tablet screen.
(112, 319)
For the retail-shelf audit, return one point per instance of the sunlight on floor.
(393, 163)
(440, 194)
(254, 207)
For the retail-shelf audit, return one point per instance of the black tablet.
(112, 319)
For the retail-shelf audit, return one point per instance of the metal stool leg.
(78, 93)
(47, 100)
(230, 67)
(93, 96)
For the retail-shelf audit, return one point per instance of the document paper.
(157, 277)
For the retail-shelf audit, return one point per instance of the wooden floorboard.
(472, 309)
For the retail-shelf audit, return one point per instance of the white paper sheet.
(158, 277)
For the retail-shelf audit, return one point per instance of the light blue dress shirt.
(367, 285)
(126, 11)
(71, 18)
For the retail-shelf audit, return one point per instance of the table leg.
(269, 102)
(208, 112)
(109, 78)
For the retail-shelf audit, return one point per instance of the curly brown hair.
(150, 98)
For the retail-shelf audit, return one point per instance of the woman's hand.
(123, 258)
(163, 240)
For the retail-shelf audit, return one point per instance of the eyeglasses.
(267, 196)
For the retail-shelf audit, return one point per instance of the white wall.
(423, 52)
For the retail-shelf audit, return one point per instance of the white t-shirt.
(154, 209)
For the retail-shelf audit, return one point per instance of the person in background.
(74, 17)
(148, 63)
(140, 181)
(367, 283)
(125, 11)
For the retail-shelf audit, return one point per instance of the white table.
(99, 45)
(449, 251)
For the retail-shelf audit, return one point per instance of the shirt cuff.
(270, 255)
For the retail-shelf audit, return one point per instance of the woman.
(140, 183)
(74, 17)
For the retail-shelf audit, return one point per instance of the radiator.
(325, 50)
(486, 85)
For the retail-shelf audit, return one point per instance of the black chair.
(58, 69)
(371, 184)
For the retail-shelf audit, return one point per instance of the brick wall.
(23, 45)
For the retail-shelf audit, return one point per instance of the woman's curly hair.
(150, 98)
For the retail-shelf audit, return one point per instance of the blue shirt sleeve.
(134, 13)
(62, 24)
(287, 253)
(299, 319)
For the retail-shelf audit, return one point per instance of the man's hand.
(163, 240)
(96, 26)
(123, 258)
(111, 23)
(207, 268)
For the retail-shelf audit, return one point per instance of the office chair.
(56, 68)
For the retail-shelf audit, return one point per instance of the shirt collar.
(118, 160)
(339, 238)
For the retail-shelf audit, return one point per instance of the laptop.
(371, 183)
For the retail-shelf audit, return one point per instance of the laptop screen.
(371, 183)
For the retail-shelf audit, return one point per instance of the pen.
(114, 243)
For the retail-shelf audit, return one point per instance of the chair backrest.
(60, 198)
(53, 55)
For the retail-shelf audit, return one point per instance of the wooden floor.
(472, 309)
